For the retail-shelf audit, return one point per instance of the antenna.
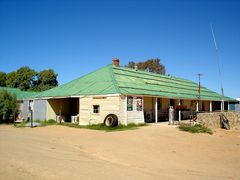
(219, 69)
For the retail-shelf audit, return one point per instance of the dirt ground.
(151, 152)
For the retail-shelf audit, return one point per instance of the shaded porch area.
(156, 109)
(63, 109)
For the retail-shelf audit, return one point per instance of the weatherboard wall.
(136, 116)
(107, 105)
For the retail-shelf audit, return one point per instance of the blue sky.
(77, 37)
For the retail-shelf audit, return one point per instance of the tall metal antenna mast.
(219, 68)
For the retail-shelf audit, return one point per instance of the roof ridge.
(115, 82)
(76, 79)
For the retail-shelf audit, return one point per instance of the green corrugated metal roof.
(97, 82)
(121, 80)
(132, 81)
(20, 94)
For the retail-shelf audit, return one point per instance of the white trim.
(126, 118)
(172, 97)
(179, 112)
(210, 106)
(109, 95)
(197, 107)
(222, 106)
(103, 95)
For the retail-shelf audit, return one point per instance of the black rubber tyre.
(111, 120)
(148, 118)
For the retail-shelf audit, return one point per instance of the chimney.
(136, 67)
(115, 61)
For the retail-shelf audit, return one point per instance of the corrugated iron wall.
(237, 107)
(39, 109)
(25, 109)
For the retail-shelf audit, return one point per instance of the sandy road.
(152, 152)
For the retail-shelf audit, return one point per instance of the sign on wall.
(139, 103)
(129, 103)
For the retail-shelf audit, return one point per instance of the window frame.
(96, 111)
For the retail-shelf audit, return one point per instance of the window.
(96, 109)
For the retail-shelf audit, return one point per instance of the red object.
(115, 62)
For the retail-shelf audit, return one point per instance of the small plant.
(46, 122)
(103, 127)
(21, 125)
(197, 128)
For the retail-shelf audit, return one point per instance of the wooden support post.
(126, 118)
(222, 106)
(156, 110)
(210, 105)
(179, 112)
(197, 107)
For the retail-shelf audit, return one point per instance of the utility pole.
(199, 85)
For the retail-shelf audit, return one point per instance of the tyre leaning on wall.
(111, 120)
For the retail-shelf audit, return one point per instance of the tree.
(11, 79)
(3, 78)
(24, 78)
(8, 106)
(28, 79)
(151, 65)
(46, 79)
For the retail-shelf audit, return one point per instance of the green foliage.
(46, 122)
(28, 79)
(46, 79)
(93, 127)
(23, 78)
(11, 80)
(3, 78)
(8, 106)
(151, 65)
(197, 128)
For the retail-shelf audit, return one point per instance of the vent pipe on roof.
(115, 61)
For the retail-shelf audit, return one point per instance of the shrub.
(197, 128)
(8, 106)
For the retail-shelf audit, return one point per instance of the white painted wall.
(135, 116)
(123, 109)
(108, 105)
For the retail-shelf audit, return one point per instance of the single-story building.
(131, 95)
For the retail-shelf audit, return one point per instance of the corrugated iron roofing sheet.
(20, 94)
(121, 80)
